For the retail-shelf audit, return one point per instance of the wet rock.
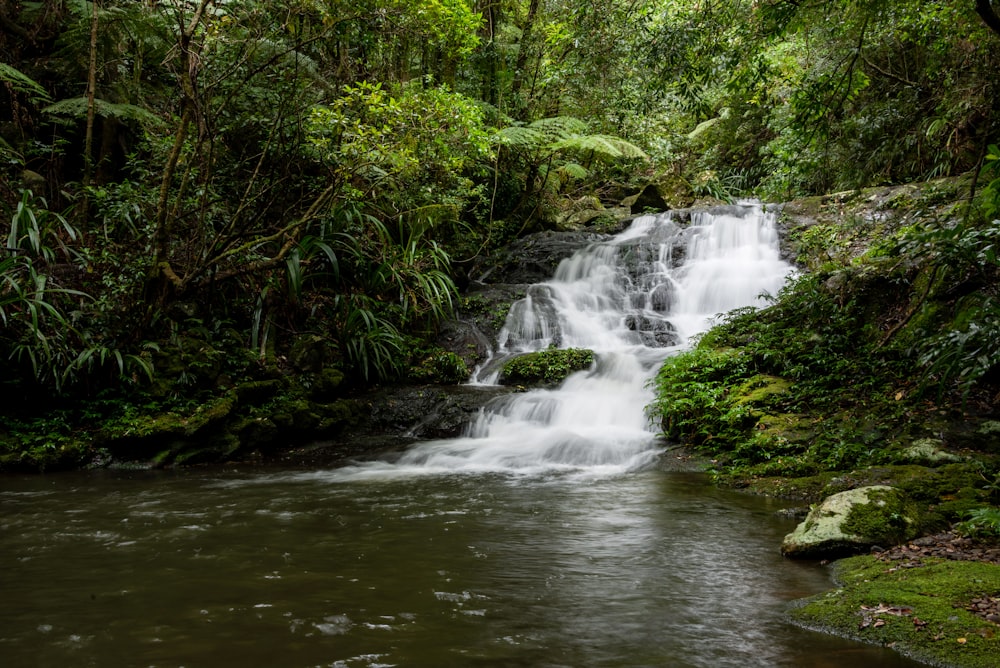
(424, 412)
(654, 332)
(532, 259)
(648, 199)
(852, 522)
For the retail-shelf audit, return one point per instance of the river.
(304, 568)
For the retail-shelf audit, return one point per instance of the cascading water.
(633, 300)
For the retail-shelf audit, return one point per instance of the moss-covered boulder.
(546, 367)
(852, 522)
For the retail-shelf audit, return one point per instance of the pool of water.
(324, 568)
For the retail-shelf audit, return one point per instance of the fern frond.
(558, 127)
(22, 83)
(607, 147)
(572, 170)
(76, 107)
(521, 137)
(703, 126)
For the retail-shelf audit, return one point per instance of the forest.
(208, 194)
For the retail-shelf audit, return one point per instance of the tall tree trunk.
(88, 157)
(163, 278)
(524, 48)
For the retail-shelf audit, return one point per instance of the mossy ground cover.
(918, 611)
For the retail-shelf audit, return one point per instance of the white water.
(626, 301)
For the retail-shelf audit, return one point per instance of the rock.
(546, 367)
(852, 522)
(929, 451)
(463, 337)
(532, 259)
(425, 411)
(648, 199)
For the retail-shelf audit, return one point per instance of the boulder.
(853, 522)
(531, 259)
(930, 452)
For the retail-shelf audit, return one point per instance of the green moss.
(546, 366)
(441, 367)
(808, 488)
(935, 627)
(756, 389)
(256, 392)
(888, 516)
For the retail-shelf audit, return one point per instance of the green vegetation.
(199, 191)
(919, 611)
(886, 342)
(546, 366)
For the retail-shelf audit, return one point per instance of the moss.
(934, 626)
(256, 392)
(888, 515)
(440, 367)
(809, 488)
(758, 388)
(546, 366)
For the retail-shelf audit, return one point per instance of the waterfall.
(633, 300)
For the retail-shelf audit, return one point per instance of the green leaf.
(22, 83)
(76, 107)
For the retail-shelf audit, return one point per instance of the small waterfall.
(633, 300)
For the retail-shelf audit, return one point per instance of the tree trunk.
(523, 48)
(988, 14)
(88, 156)
(163, 278)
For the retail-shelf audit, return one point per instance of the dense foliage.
(195, 186)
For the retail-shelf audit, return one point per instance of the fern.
(22, 83)
(607, 147)
(572, 170)
(519, 136)
(76, 107)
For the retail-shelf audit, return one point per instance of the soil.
(949, 545)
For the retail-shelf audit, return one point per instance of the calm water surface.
(289, 568)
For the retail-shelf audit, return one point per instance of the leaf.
(77, 107)
(22, 83)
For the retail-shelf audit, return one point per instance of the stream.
(555, 533)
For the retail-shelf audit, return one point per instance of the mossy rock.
(546, 367)
(309, 353)
(759, 388)
(255, 433)
(853, 521)
(920, 612)
(440, 367)
(792, 427)
(258, 392)
(326, 385)
(928, 451)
